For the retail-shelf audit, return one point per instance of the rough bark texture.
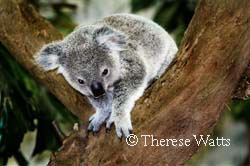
(187, 100)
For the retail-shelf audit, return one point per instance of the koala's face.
(89, 61)
(91, 69)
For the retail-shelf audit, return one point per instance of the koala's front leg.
(120, 116)
(97, 119)
(123, 102)
(103, 110)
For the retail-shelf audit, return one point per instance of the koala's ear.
(113, 40)
(48, 56)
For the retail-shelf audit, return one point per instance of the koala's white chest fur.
(111, 62)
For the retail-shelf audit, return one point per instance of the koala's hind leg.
(103, 111)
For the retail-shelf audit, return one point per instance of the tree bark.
(186, 101)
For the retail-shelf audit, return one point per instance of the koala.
(111, 62)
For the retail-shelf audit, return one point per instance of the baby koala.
(111, 62)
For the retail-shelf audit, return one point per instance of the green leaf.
(138, 5)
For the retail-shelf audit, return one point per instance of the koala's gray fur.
(111, 62)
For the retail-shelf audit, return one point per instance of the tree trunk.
(186, 101)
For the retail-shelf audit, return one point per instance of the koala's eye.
(80, 81)
(105, 72)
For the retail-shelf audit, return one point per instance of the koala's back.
(151, 42)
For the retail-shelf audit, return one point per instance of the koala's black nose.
(97, 89)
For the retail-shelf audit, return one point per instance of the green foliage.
(240, 110)
(26, 106)
(173, 15)
(63, 22)
(138, 5)
(61, 16)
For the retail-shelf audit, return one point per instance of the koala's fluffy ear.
(48, 56)
(113, 40)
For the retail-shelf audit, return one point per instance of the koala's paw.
(123, 126)
(95, 122)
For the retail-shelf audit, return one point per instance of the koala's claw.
(108, 130)
(109, 124)
(121, 131)
(95, 122)
(122, 134)
(109, 127)
(120, 138)
(123, 126)
(93, 128)
(130, 131)
(91, 118)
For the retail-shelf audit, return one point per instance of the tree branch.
(23, 32)
(186, 101)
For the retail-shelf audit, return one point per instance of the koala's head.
(88, 59)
